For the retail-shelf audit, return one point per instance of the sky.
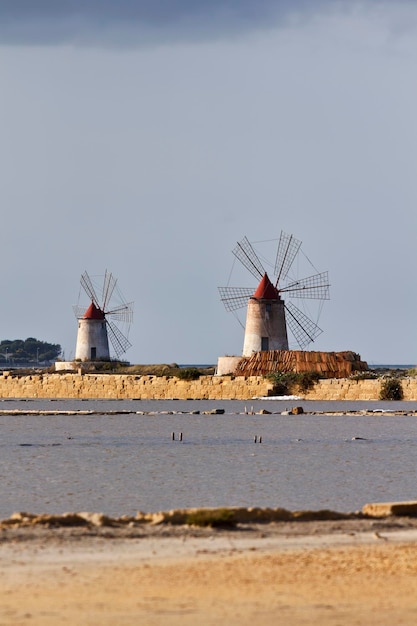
(147, 137)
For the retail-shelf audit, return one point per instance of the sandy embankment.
(329, 573)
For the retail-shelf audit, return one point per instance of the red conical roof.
(93, 313)
(266, 290)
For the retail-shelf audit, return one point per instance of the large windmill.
(97, 323)
(268, 315)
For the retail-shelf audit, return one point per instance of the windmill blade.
(122, 313)
(235, 298)
(314, 287)
(248, 257)
(79, 311)
(287, 250)
(118, 340)
(302, 327)
(109, 284)
(89, 289)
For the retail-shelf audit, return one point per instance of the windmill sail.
(122, 313)
(248, 257)
(119, 342)
(89, 288)
(235, 298)
(288, 248)
(302, 327)
(315, 287)
(109, 285)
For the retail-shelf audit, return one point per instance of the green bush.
(307, 380)
(285, 382)
(282, 383)
(391, 389)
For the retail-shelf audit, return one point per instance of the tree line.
(28, 350)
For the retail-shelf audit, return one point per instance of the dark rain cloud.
(132, 22)
(152, 11)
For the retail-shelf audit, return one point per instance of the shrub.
(307, 380)
(391, 389)
(285, 382)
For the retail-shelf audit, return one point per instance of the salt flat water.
(120, 463)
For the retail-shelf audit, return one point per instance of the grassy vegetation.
(185, 373)
(188, 373)
(158, 369)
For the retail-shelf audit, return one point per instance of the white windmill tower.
(96, 324)
(268, 316)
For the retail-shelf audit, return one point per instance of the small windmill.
(267, 314)
(96, 324)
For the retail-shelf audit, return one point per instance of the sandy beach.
(339, 572)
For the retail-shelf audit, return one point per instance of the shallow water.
(122, 463)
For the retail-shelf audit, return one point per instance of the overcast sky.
(148, 137)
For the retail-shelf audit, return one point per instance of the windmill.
(268, 315)
(97, 323)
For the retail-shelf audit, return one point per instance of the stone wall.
(348, 389)
(118, 386)
(114, 386)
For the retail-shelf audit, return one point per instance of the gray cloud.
(151, 11)
(133, 22)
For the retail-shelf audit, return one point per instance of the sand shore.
(339, 572)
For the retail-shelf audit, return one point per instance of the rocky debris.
(206, 516)
(66, 519)
(385, 509)
(175, 517)
(327, 364)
